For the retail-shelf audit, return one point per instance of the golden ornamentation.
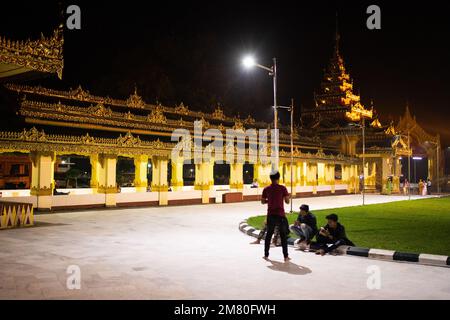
(376, 124)
(157, 115)
(238, 125)
(135, 101)
(100, 110)
(249, 120)
(129, 116)
(159, 188)
(45, 54)
(202, 186)
(181, 109)
(128, 140)
(80, 94)
(107, 189)
(87, 139)
(391, 129)
(42, 191)
(218, 114)
(33, 135)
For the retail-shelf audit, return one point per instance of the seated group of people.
(328, 238)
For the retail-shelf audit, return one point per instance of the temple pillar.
(42, 178)
(330, 176)
(354, 178)
(321, 175)
(140, 173)
(346, 177)
(261, 172)
(96, 166)
(385, 173)
(106, 173)
(159, 179)
(236, 176)
(281, 171)
(177, 174)
(287, 177)
(301, 173)
(397, 174)
(311, 176)
(203, 176)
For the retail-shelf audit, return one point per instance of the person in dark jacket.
(331, 236)
(305, 227)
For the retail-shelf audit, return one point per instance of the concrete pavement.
(192, 252)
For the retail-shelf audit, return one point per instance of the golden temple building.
(51, 123)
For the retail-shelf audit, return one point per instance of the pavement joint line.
(371, 253)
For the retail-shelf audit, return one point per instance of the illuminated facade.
(326, 158)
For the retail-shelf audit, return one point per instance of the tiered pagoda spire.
(337, 89)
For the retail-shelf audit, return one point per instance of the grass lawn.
(416, 226)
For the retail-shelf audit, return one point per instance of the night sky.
(190, 51)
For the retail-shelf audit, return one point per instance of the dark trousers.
(323, 242)
(282, 224)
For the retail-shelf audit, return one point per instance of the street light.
(415, 171)
(249, 62)
(291, 110)
(363, 127)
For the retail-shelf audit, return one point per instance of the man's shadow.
(288, 267)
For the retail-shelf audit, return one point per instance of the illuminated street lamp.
(249, 62)
(415, 171)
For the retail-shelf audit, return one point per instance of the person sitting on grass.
(333, 234)
(262, 233)
(305, 227)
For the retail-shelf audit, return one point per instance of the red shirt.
(275, 194)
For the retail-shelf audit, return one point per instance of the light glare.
(248, 62)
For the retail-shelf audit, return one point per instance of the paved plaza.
(191, 252)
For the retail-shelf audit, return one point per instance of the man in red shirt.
(274, 195)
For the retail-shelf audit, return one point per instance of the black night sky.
(190, 51)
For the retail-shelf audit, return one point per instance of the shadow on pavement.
(288, 267)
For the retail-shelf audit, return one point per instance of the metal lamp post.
(363, 127)
(291, 110)
(437, 164)
(249, 62)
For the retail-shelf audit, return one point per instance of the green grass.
(417, 226)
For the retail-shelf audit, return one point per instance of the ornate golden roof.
(45, 54)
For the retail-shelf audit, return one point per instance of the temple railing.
(16, 214)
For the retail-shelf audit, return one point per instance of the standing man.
(274, 195)
(305, 227)
(429, 186)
